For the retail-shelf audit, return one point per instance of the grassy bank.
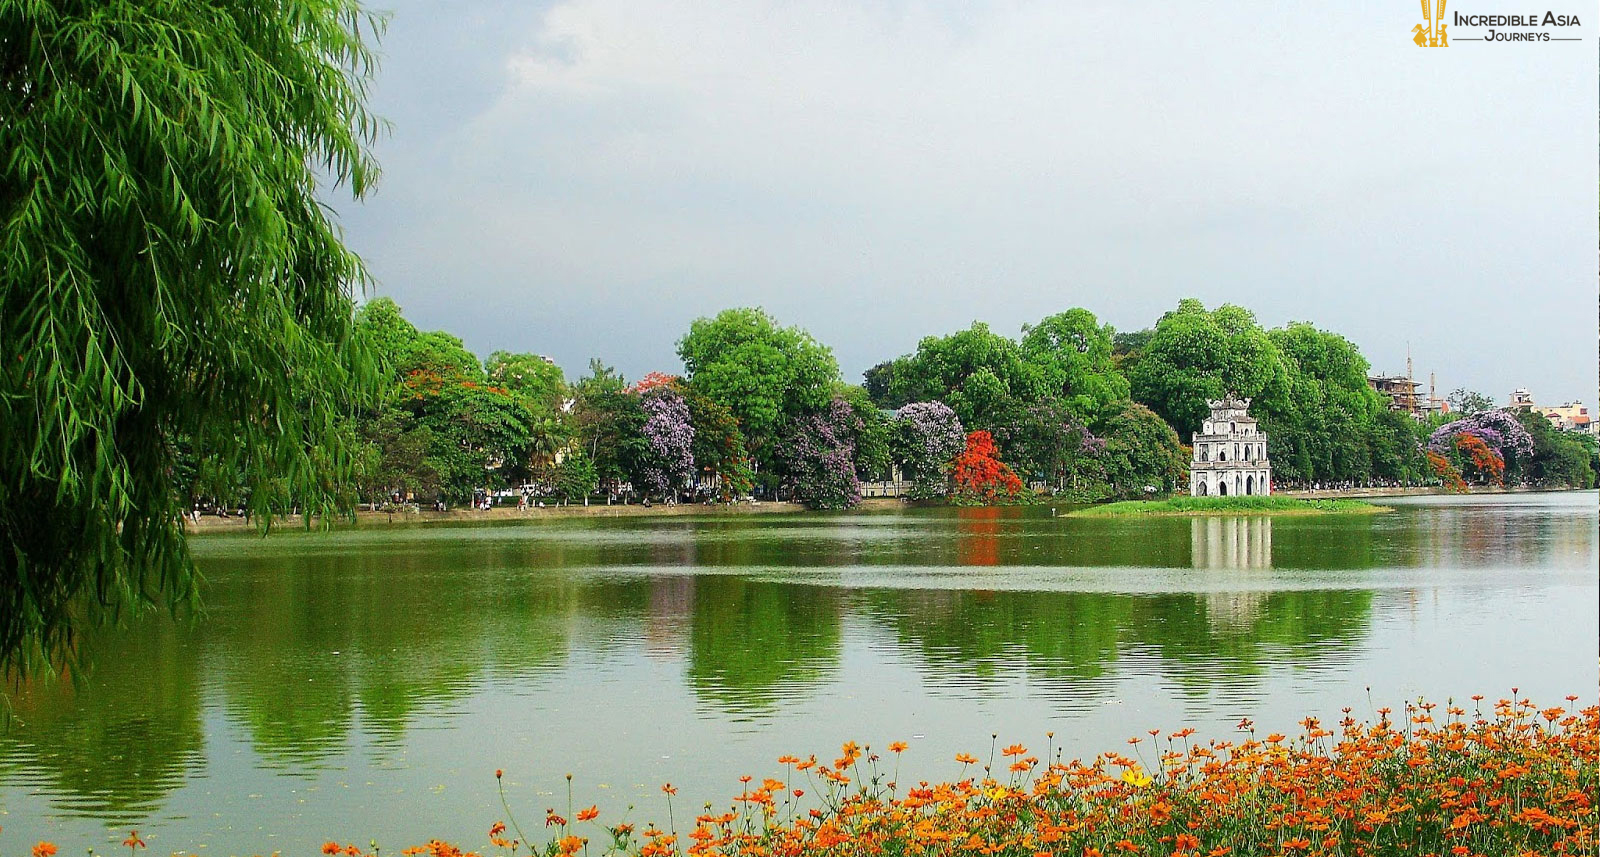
(1231, 506)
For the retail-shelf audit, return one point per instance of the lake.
(367, 683)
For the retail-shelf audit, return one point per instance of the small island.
(1258, 505)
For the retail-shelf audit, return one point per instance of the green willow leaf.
(175, 299)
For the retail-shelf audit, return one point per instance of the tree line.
(1070, 408)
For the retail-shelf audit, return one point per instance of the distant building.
(1405, 395)
(1573, 416)
(1398, 389)
(1230, 453)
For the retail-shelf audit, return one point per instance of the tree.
(978, 472)
(980, 374)
(388, 335)
(1074, 354)
(1468, 402)
(529, 376)
(1500, 430)
(170, 272)
(400, 457)
(718, 449)
(1559, 459)
(479, 436)
(608, 425)
(763, 373)
(668, 459)
(872, 433)
(880, 386)
(1141, 450)
(575, 477)
(1049, 442)
(1195, 355)
(818, 452)
(927, 437)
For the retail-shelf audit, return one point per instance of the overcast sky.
(584, 178)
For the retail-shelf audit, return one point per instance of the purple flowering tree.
(1499, 429)
(819, 454)
(669, 436)
(927, 436)
(1046, 441)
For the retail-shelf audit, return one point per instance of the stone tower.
(1230, 454)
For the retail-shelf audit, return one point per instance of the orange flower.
(1014, 750)
(331, 848)
(966, 758)
(44, 849)
(589, 814)
(898, 747)
(133, 841)
(669, 788)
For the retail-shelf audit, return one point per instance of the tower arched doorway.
(1222, 488)
(1249, 485)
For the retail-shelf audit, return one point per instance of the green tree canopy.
(1074, 354)
(1195, 355)
(763, 373)
(1141, 450)
(171, 274)
(607, 424)
(1468, 402)
(980, 374)
(530, 377)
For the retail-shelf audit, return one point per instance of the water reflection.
(313, 648)
(754, 644)
(116, 750)
(1242, 542)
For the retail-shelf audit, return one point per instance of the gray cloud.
(584, 178)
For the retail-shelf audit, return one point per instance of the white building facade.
(1230, 454)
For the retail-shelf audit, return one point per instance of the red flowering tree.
(653, 380)
(979, 472)
(1483, 459)
(1446, 472)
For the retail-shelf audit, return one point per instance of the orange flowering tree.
(1481, 458)
(1446, 471)
(978, 471)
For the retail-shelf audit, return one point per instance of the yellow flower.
(1135, 776)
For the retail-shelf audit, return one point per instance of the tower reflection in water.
(1232, 544)
(1238, 542)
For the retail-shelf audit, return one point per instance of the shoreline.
(500, 515)
(210, 524)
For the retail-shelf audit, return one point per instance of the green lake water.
(367, 683)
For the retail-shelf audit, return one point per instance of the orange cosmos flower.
(898, 747)
(44, 849)
(589, 814)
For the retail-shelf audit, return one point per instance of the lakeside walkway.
(1362, 493)
(503, 514)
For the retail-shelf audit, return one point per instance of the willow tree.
(171, 285)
